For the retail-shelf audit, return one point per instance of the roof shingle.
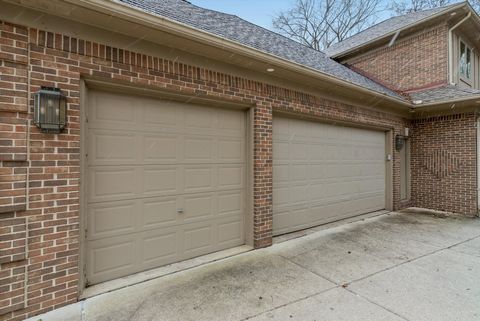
(443, 94)
(238, 30)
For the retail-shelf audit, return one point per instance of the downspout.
(450, 46)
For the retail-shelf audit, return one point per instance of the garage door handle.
(179, 210)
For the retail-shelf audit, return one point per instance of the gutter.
(450, 46)
(445, 102)
(113, 8)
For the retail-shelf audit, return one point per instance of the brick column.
(262, 184)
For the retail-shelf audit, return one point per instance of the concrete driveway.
(397, 266)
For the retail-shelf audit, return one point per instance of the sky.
(260, 12)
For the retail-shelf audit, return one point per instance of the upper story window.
(465, 67)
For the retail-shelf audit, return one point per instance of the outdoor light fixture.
(50, 110)
(399, 142)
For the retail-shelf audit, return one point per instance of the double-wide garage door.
(323, 173)
(165, 182)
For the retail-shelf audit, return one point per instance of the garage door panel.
(281, 151)
(199, 149)
(231, 149)
(231, 203)
(199, 206)
(158, 247)
(111, 257)
(166, 182)
(158, 212)
(317, 153)
(109, 108)
(116, 218)
(168, 116)
(298, 130)
(284, 222)
(109, 146)
(317, 190)
(122, 255)
(197, 118)
(231, 176)
(116, 147)
(230, 122)
(299, 173)
(299, 193)
(329, 212)
(198, 240)
(199, 178)
(298, 151)
(109, 219)
(162, 148)
(158, 180)
(325, 172)
(317, 171)
(281, 196)
(280, 173)
(108, 183)
(230, 232)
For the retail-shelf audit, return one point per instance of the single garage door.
(165, 182)
(323, 173)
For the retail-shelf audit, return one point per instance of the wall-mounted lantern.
(399, 142)
(50, 110)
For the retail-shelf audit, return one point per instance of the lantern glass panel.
(50, 113)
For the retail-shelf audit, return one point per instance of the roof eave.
(447, 102)
(141, 17)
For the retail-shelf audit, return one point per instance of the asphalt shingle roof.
(443, 94)
(236, 29)
(383, 28)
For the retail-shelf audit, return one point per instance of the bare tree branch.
(476, 5)
(408, 6)
(320, 23)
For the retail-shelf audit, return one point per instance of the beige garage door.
(323, 173)
(165, 182)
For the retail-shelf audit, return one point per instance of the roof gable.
(386, 28)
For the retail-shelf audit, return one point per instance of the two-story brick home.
(140, 133)
(431, 57)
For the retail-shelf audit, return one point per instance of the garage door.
(323, 173)
(165, 182)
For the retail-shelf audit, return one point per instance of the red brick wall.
(52, 219)
(416, 61)
(444, 172)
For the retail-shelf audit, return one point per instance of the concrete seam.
(291, 302)
(377, 304)
(317, 274)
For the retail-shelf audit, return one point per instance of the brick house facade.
(40, 216)
(415, 61)
(444, 167)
